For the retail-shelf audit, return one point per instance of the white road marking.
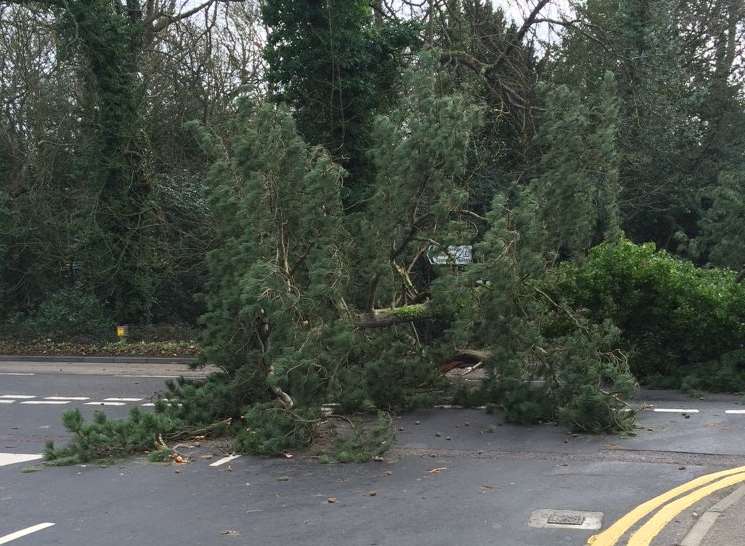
(148, 405)
(7, 401)
(735, 411)
(16, 373)
(17, 396)
(23, 532)
(225, 460)
(68, 398)
(674, 410)
(14, 458)
(46, 402)
(148, 376)
(105, 404)
(123, 399)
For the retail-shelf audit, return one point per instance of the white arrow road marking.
(14, 458)
(225, 460)
(24, 532)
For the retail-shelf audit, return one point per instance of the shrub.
(674, 316)
(727, 374)
(69, 312)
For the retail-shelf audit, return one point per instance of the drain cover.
(565, 518)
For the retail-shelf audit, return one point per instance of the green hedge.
(679, 321)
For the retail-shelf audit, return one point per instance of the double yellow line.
(697, 489)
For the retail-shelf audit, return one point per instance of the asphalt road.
(456, 477)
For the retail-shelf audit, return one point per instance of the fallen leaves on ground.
(46, 347)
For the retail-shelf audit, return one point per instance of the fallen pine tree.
(308, 305)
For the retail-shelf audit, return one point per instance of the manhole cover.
(563, 518)
(566, 519)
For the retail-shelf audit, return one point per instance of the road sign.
(456, 254)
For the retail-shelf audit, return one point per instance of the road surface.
(456, 477)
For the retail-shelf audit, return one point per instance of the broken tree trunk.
(382, 318)
(465, 358)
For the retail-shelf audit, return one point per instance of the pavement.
(729, 528)
(455, 477)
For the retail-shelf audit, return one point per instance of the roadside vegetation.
(369, 196)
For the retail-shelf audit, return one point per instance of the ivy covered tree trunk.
(337, 68)
(110, 42)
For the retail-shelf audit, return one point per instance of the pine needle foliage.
(282, 295)
(102, 438)
(723, 233)
(277, 272)
(548, 362)
(578, 183)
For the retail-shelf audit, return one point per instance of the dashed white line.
(7, 401)
(674, 410)
(148, 376)
(735, 411)
(148, 405)
(16, 373)
(46, 402)
(17, 396)
(25, 532)
(14, 458)
(105, 404)
(224, 460)
(123, 399)
(68, 398)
